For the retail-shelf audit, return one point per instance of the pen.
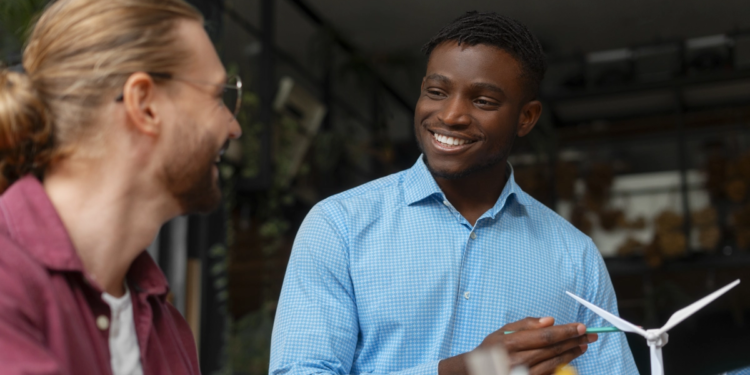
(589, 330)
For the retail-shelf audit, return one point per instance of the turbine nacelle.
(656, 337)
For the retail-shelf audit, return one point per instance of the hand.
(537, 343)
(541, 345)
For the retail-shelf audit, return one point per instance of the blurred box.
(708, 53)
(657, 62)
(609, 68)
(564, 76)
(742, 51)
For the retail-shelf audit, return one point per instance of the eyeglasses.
(231, 91)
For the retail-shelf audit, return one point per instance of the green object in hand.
(589, 330)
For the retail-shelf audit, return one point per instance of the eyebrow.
(439, 78)
(488, 86)
(478, 85)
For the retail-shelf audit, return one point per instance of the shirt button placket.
(102, 322)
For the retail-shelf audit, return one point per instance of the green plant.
(16, 18)
(249, 346)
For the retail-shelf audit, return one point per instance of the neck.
(476, 193)
(111, 216)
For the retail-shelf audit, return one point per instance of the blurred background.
(644, 145)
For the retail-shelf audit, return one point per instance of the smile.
(450, 141)
(221, 152)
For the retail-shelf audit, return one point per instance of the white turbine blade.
(616, 321)
(685, 312)
(657, 361)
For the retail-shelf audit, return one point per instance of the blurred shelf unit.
(652, 143)
(651, 79)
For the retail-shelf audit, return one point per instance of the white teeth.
(450, 141)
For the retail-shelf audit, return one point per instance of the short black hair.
(492, 29)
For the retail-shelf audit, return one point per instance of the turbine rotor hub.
(654, 338)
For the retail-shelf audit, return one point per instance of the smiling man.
(408, 273)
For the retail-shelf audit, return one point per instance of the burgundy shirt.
(49, 305)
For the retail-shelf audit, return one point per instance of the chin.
(448, 174)
(447, 169)
(196, 189)
(455, 170)
(202, 200)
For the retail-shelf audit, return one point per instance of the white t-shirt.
(124, 353)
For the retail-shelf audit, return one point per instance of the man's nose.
(456, 112)
(235, 131)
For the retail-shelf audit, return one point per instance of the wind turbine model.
(656, 338)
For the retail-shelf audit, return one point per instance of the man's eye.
(434, 93)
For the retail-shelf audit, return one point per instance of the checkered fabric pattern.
(742, 371)
(390, 278)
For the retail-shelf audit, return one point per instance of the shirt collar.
(33, 223)
(419, 185)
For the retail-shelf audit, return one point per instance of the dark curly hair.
(492, 29)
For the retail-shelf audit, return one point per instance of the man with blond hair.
(112, 128)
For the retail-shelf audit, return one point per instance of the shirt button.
(467, 295)
(473, 236)
(445, 202)
(102, 322)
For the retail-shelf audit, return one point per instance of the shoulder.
(559, 235)
(363, 201)
(23, 282)
(340, 217)
(551, 220)
(374, 190)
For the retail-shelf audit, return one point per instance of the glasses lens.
(232, 95)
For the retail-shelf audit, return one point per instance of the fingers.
(548, 367)
(540, 344)
(528, 323)
(561, 349)
(542, 337)
(593, 337)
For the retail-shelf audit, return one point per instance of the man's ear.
(528, 117)
(139, 94)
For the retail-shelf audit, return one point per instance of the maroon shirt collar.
(33, 223)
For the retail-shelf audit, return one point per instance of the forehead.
(204, 62)
(474, 64)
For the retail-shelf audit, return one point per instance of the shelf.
(694, 261)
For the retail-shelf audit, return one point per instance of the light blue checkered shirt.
(390, 278)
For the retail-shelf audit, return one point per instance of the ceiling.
(395, 30)
(564, 27)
